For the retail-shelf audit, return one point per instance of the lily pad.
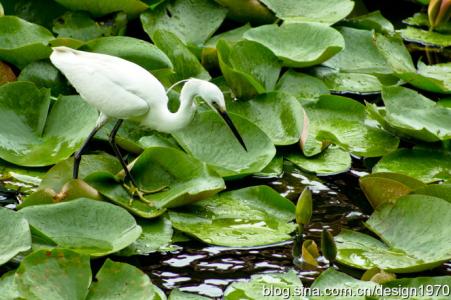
(409, 114)
(22, 42)
(86, 226)
(278, 114)
(427, 165)
(156, 236)
(343, 121)
(176, 294)
(33, 136)
(360, 54)
(138, 51)
(371, 21)
(59, 274)
(273, 169)
(262, 286)
(110, 187)
(385, 187)
(117, 281)
(425, 37)
(248, 11)
(104, 7)
(350, 83)
(299, 45)
(183, 178)
(224, 153)
(8, 286)
(436, 190)
(80, 25)
(15, 235)
(45, 75)
(422, 20)
(331, 161)
(248, 217)
(325, 11)
(304, 87)
(186, 64)
(192, 21)
(248, 67)
(61, 173)
(415, 230)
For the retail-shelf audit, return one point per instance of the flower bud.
(439, 12)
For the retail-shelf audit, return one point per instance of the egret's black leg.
(112, 140)
(79, 153)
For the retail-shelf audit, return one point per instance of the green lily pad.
(15, 235)
(33, 136)
(80, 25)
(156, 236)
(360, 54)
(248, 67)
(427, 165)
(22, 42)
(13, 176)
(104, 7)
(299, 45)
(422, 20)
(224, 153)
(59, 274)
(409, 114)
(436, 190)
(352, 83)
(118, 281)
(425, 37)
(186, 64)
(61, 173)
(248, 217)
(371, 21)
(304, 87)
(343, 121)
(86, 226)
(110, 187)
(192, 21)
(415, 230)
(278, 114)
(331, 161)
(260, 286)
(138, 51)
(273, 169)
(45, 75)
(325, 11)
(437, 287)
(8, 286)
(184, 178)
(331, 282)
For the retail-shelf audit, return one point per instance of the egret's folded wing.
(114, 86)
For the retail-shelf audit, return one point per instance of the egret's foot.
(140, 193)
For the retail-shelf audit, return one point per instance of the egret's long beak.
(232, 127)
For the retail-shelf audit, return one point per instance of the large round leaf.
(407, 113)
(33, 136)
(53, 275)
(104, 7)
(183, 178)
(253, 216)
(415, 230)
(193, 21)
(22, 42)
(119, 281)
(425, 37)
(15, 235)
(324, 11)
(278, 114)
(299, 45)
(427, 165)
(209, 139)
(86, 226)
(304, 87)
(138, 51)
(343, 121)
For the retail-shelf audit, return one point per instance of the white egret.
(122, 90)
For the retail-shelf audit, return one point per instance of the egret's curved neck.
(162, 119)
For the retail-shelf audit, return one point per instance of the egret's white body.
(121, 90)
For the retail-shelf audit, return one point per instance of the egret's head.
(214, 97)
